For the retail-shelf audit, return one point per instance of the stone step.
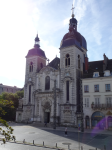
(39, 124)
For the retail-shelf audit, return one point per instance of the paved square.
(51, 137)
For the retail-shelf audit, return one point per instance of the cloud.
(96, 33)
(50, 50)
(96, 26)
(66, 21)
(80, 8)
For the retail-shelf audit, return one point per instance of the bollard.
(81, 147)
(68, 147)
(33, 142)
(96, 148)
(43, 143)
(56, 144)
(24, 141)
(104, 147)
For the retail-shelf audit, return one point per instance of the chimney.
(105, 62)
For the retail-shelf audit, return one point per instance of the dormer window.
(106, 73)
(67, 60)
(96, 74)
(31, 67)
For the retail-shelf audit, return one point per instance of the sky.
(21, 20)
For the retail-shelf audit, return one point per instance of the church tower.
(35, 61)
(73, 50)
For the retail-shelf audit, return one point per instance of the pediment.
(47, 70)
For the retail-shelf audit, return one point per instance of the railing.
(101, 106)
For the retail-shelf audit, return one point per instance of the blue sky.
(20, 20)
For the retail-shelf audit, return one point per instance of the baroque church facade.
(38, 102)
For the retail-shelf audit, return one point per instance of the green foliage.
(9, 103)
(20, 94)
(7, 131)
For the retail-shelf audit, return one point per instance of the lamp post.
(54, 121)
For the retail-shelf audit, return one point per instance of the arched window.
(67, 91)
(31, 67)
(41, 65)
(29, 93)
(79, 61)
(47, 83)
(67, 60)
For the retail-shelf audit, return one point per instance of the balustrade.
(101, 106)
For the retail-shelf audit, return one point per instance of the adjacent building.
(9, 89)
(97, 94)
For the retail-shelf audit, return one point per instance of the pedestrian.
(45, 125)
(65, 131)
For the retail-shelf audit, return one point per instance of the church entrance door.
(46, 117)
(19, 118)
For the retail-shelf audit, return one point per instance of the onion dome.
(36, 51)
(73, 37)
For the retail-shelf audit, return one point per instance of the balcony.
(101, 106)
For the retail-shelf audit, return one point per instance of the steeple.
(73, 21)
(37, 41)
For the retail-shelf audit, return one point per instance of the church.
(53, 90)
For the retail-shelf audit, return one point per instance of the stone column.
(106, 122)
(84, 123)
(40, 109)
(52, 113)
(90, 123)
(57, 114)
(35, 100)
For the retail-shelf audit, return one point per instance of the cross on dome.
(72, 11)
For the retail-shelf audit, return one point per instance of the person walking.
(45, 125)
(65, 131)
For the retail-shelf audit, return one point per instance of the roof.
(74, 38)
(109, 65)
(55, 63)
(15, 87)
(97, 66)
(36, 51)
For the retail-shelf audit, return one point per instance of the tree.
(6, 130)
(20, 94)
(10, 114)
(8, 104)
